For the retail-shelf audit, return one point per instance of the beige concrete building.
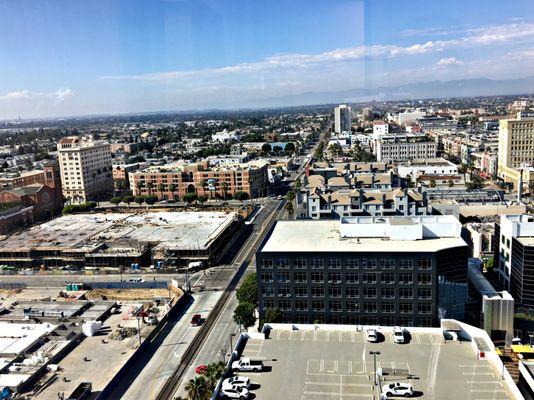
(86, 172)
(516, 150)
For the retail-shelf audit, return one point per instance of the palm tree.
(172, 189)
(203, 183)
(197, 388)
(161, 187)
(140, 185)
(224, 187)
(149, 186)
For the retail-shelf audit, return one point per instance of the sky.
(79, 57)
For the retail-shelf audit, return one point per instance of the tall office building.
(516, 149)
(514, 256)
(342, 118)
(85, 166)
(408, 271)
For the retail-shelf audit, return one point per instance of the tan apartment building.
(85, 165)
(174, 180)
(516, 150)
(11, 180)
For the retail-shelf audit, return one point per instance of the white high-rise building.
(85, 166)
(342, 118)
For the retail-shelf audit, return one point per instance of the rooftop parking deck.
(337, 364)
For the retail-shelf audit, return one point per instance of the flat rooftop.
(174, 230)
(325, 236)
(335, 364)
(16, 338)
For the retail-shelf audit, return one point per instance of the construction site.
(122, 241)
(46, 336)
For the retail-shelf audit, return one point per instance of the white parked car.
(235, 392)
(397, 389)
(240, 381)
(372, 335)
(398, 335)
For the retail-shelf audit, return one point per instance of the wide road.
(224, 326)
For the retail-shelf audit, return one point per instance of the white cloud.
(58, 96)
(482, 36)
(449, 61)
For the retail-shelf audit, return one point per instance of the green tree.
(476, 182)
(115, 200)
(248, 291)
(150, 186)
(450, 182)
(172, 189)
(298, 184)
(214, 372)
(244, 314)
(290, 208)
(139, 199)
(224, 187)
(432, 183)
(266, 148)
(290, 196)
(189, 197)
(274, 315)
(151, 199)
(289, 148)
(161, 188)
(241, 196)
(335, 149)
(202, 199)
(128, 199)
(140, 185)
(197, 388)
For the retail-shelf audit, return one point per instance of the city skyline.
(63, 59)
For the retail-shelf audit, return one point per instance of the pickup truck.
(246, 364)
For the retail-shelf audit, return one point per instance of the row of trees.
(83, 207)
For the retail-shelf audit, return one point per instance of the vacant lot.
(127, 294)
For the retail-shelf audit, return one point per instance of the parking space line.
(314, 336)
(308, 367)
(349, 367)
(485, 383)
(340, 336)
(418, 339)
(474, 366)
(477, 373)
(302, 335)
(487, 391)
(327, 336)
(367, 396)
(321, 366)
(353, 337)
(278, 333)
(362, 385)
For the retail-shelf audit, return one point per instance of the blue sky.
(75, 57)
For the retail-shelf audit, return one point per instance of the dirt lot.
(126, 294)
(9, 292)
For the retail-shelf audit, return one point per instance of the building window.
(334, 263)
(300, 277)
(388, 307)
(335, 306)
(369, 307)
(406, 279)
(267, 290)
(351, 263)
(266, 277)
(387, 263)
(268, 303)
(317, 305)
(299, 263)
(369, 293)
(284, 291)
(352, 292)
(267, 263)
(301, 305)
(351, 277)
(387, 277)
(424, 293)
(317, 263)
(284, 305)
(334, 291)
(282, 262)
(387, 293)
(317, 291)
(334, 277)
(317, 277)
(424, 264)
(406, 308)
(353, 306)
(369, 277)
(283, 277)
(301, 291)
(424, 308)
(368, 263)
(406, 264)
(406, 293)
(424, 279)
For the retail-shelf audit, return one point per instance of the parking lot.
(333, 364)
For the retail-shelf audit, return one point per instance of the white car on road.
(240, 381)
(235, 392)
(398, 335)
(397, 389)
(372, 335)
